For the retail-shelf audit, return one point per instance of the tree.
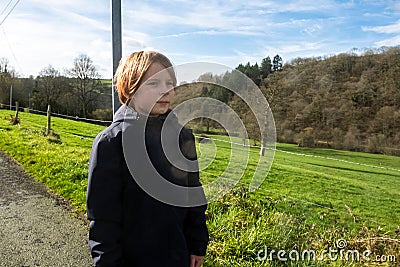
(204, 91)
(265, 67)
(251, 71)
(8, 80)
(48, 87)
(5, 80)
(216, 92)
(277, 63)
(386, 120)
(85, 83)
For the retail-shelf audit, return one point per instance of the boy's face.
(156, 92)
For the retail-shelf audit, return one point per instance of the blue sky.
(38, 33)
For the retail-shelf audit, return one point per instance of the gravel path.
(37, 229)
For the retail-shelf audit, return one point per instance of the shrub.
(306, 139)
(375, 144)
(14, 120)
(105, 114)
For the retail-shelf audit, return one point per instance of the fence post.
(48, 128)
(16, 109)
(262, 149)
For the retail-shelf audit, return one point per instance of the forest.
(347, 101)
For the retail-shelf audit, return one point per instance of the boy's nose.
(166, 92)
(166, 89)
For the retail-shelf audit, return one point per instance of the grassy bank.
(306, 202)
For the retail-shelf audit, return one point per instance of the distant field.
(106, 82)
(311, 197)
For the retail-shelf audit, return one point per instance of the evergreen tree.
(265, 67)
(277, 63)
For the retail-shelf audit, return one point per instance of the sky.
(37, 33)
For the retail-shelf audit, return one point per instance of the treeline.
(77, 91)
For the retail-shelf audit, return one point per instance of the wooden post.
(262, 150)
(48, 128)
(16, 109)
(264, 136)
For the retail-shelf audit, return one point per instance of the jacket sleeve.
(104, 201)
(196, 231)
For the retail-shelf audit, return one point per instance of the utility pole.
(116, 47)
(11, 97)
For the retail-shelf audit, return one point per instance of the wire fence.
(76, 118)
(307, 155)
(106, 123)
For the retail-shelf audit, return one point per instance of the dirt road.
(36, 229)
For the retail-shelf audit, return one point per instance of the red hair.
(129, 74)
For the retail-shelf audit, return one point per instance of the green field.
(310, 199)
(368, 184)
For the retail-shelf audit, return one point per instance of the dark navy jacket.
(128, 227)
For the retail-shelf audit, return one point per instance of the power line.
(12, 51)
(4, 32)
(9, 12)
(9, 2)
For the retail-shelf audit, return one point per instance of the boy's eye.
(152, 83)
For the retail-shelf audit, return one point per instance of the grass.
(304, 203)
(60, 164)
(328, 179)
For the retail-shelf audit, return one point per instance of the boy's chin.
(158, 111)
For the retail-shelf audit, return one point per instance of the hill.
(346, 101)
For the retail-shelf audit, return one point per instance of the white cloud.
(395, 41)
(387, 29)
(274, 7)
(311, 30)
(202, 17)
(392, 28)
(42, 33)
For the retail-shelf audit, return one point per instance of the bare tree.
(48, 87)
(86, 83)
(8, 79)
(5, 80)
